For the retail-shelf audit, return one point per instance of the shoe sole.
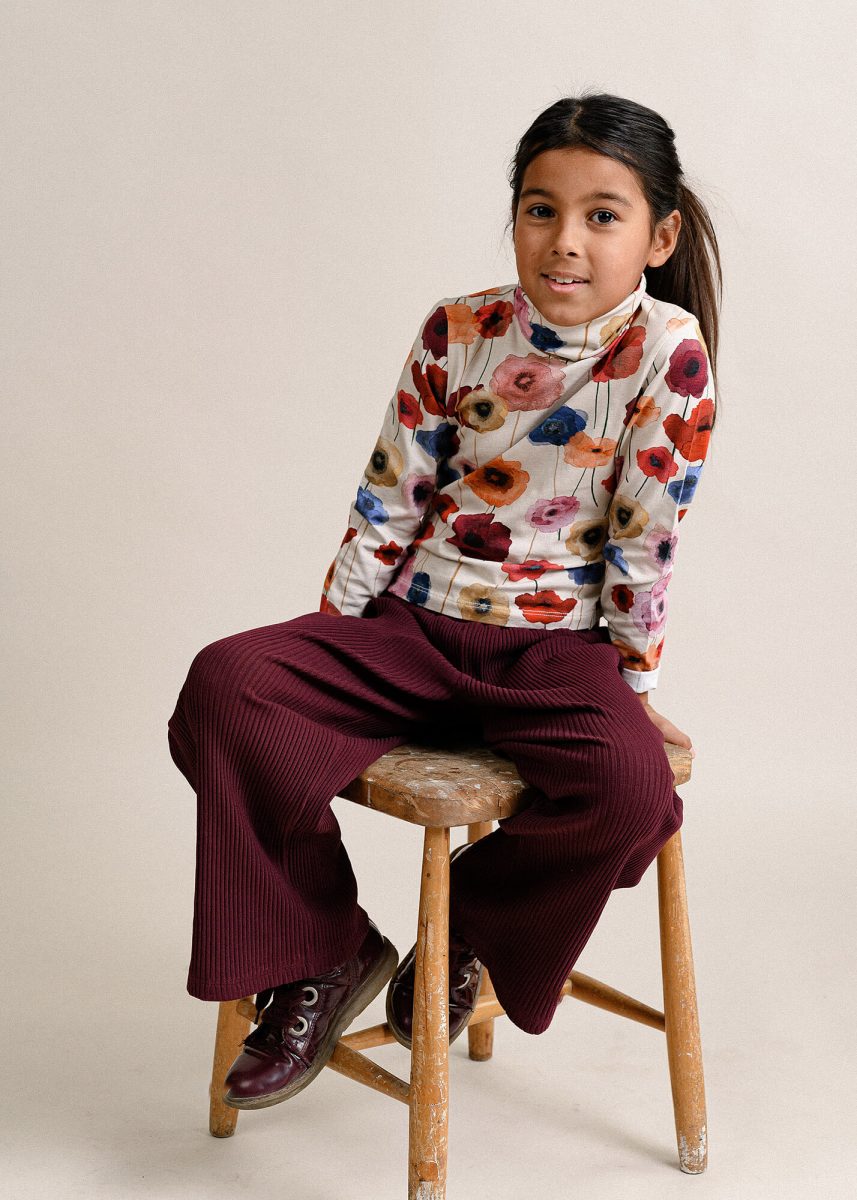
(362, 998)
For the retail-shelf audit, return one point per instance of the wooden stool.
(440, 788)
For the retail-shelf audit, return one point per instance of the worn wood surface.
(455, 785)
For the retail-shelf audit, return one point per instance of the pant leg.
(528, 896)
(269, 725)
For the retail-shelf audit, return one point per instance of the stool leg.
(232, 1028)
(684, 1051)
(428, 1106)
(480, 1038)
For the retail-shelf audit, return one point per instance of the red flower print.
(480, 536)
(691, 437)
(534, 568)
(349, 534)
(389, 553)
(492, 320)
(688, 370)
(410, 413)
(658, 462)
(435, 333)
(546, 607)
(623, 357)
(611, 482)
(431, 387)
(444, 506)
(622, 597)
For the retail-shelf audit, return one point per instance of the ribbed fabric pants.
(272, 722)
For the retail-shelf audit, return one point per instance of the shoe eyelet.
(314, 995)
(299, 1032)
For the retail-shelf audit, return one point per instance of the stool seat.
(450, 785)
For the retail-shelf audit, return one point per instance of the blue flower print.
(614, 555)
(420, 587)
(544, 338)
(682, 490)
(439, 443)
(589, 573)
(559, 427)
(370, 507)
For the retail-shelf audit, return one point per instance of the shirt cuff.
(641, 681)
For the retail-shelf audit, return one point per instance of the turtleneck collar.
(575, 342)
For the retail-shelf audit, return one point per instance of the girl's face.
(565, 227)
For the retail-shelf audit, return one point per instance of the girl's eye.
(604, 212)
(535, 206)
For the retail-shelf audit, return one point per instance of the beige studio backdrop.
(209, 211)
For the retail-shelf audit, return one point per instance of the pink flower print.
(527, 383)
(550, 515)
(660, 544)
(649, 610)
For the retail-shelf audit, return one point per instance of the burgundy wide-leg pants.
(272, 722)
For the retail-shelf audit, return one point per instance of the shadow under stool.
(441, 788)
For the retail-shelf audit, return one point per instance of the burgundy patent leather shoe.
(465, 978)
(299, 1023)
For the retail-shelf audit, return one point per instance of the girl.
(540, 448)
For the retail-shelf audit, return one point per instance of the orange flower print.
(688, 369)
(478, 602)
(492, 320)
(627, 517)
(657, 462)
(637, 660)
(545, 607)
(326, 607)
(499, 481)
(492, 291)
(386, 464)
(641, 411)
(529, 382)
(623, 357)
(584, 451)
(691, 437)
(463, 328)
(587, 538)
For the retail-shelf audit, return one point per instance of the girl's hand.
(671, 733)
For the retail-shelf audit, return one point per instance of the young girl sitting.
(544, 441)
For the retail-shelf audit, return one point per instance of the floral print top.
(531, 474)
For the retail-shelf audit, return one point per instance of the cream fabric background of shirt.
(534, 474)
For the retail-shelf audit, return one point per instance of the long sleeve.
(399, 482)
(659, 460)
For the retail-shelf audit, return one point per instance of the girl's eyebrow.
(534, 191)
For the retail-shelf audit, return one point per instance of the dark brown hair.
(640, 138)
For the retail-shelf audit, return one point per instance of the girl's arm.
(658, 464)
(398, 484)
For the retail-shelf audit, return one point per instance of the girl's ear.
(665, 239)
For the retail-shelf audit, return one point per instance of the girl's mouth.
(556, 286)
